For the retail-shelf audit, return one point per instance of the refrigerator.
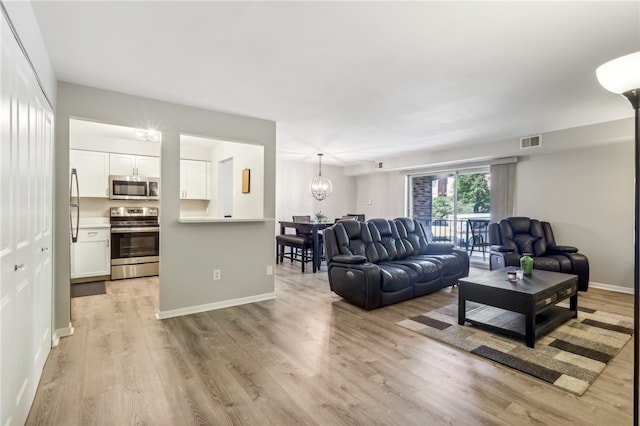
(74, 206)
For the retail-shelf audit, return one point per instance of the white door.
(225, 188)
(25, 232)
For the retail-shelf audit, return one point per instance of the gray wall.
(587, 196)
(189, 252)
(580, 180)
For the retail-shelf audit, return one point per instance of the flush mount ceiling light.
(147, 135)
(320, 186)
(622, 76)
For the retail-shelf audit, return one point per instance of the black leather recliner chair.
(513, 236)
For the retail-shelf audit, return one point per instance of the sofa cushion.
(394, 277)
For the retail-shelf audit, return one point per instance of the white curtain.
(503, 180)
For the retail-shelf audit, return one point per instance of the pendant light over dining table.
(320, 186)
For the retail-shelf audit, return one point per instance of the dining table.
(312, 228)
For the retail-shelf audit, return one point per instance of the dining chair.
(300, 244)
(478, 232)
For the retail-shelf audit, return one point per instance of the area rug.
(571, 357)
(88, 289)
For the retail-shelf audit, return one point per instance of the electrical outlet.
(269, 270)
(217, 274)
(368, 202)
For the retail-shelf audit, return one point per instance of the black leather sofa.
(513, 236)
(380, 262)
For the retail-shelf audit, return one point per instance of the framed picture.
(246, 181)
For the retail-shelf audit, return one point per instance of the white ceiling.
(356, 80)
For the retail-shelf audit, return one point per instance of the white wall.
(294, 198)
(385, 191)
(245, 205)
(24, 20)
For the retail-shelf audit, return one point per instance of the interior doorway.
(225, 187)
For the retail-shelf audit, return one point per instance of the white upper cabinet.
(93, 172)
(194, 178)
(134, 165)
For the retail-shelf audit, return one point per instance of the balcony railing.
(463, 233)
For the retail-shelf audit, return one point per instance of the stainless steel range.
(135, 242)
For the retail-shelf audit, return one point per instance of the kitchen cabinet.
(91, 255)
(194, 180)
(134, 165)
(93, 172)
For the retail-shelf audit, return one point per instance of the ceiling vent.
(377, 165)
(530, 142)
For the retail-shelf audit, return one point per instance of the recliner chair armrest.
(439, 248)
(351, 259)
(502, 249)
(561, 249)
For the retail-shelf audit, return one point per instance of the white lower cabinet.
(90, 256)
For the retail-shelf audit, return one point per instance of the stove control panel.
(133, 211)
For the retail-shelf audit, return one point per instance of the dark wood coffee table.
(527, 308)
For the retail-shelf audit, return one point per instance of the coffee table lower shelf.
(513, 323)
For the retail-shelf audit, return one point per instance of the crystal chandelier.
(320, 186)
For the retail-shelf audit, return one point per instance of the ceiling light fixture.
(622, 76)
(320, 186)
(147, 135)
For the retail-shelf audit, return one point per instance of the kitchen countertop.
(94, 222)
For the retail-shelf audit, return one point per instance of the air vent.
(530, 142)
(377, 165)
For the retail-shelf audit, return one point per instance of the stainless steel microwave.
(134, 188)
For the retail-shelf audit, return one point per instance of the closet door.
(25, 231)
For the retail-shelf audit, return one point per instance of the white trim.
(213, 306)
(616, 288)
(61, 332)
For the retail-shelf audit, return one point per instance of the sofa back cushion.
(413, 234)
(354, 238)
(387, 241)
(523, 235)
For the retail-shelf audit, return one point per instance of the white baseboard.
(616, 288)
(213, 306)
(59, 333)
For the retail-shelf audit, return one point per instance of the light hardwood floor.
(305, 358)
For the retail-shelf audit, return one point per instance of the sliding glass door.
(454, 207)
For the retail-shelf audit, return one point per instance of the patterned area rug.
(570, 357)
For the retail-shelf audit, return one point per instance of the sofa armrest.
(359, 284)
(502, 249)
(439, 248)
(351, 259)
(561, 249)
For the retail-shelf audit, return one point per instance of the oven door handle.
(129, 230)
